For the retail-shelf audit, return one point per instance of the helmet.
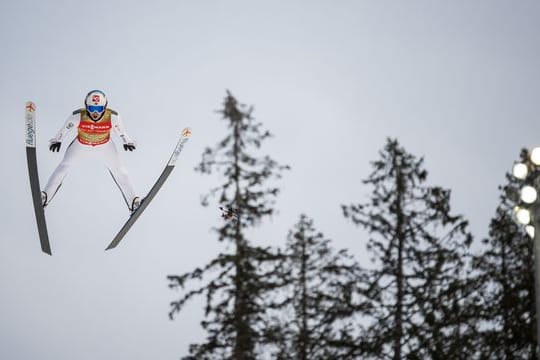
(95, 103)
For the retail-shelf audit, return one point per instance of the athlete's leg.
(74, 152)
(118, 172)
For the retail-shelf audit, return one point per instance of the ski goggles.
(95, 108)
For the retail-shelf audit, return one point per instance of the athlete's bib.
(92, 132)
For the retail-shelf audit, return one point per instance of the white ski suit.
(93, 140)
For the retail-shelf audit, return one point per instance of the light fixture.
(535, 156)
(528, 194)
(530, 230)
(520, 170)
(523, 216)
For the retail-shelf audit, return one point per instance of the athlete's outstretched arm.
(71, 122)
(118, 126)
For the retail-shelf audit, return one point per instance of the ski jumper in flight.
(93, 124)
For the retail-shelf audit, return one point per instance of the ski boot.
(135, 204)
(43, 198)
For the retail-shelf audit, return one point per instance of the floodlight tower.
(527, 213)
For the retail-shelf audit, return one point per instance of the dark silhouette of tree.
(235, 283)
(320, 300)
(506, 275)
(420, 288)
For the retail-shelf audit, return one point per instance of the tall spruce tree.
(321, 301)
(419, 287)
(506, 275)
(234, 283)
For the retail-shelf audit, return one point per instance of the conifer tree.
(419, 286)
(234, 282)
(321, 300)
(505, 271)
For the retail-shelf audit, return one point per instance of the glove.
(55, 146)
(129, 147)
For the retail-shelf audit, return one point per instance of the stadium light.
(520, 171)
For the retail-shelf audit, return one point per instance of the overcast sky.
(455, 81)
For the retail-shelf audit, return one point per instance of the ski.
(184, 137)
(30, 122)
